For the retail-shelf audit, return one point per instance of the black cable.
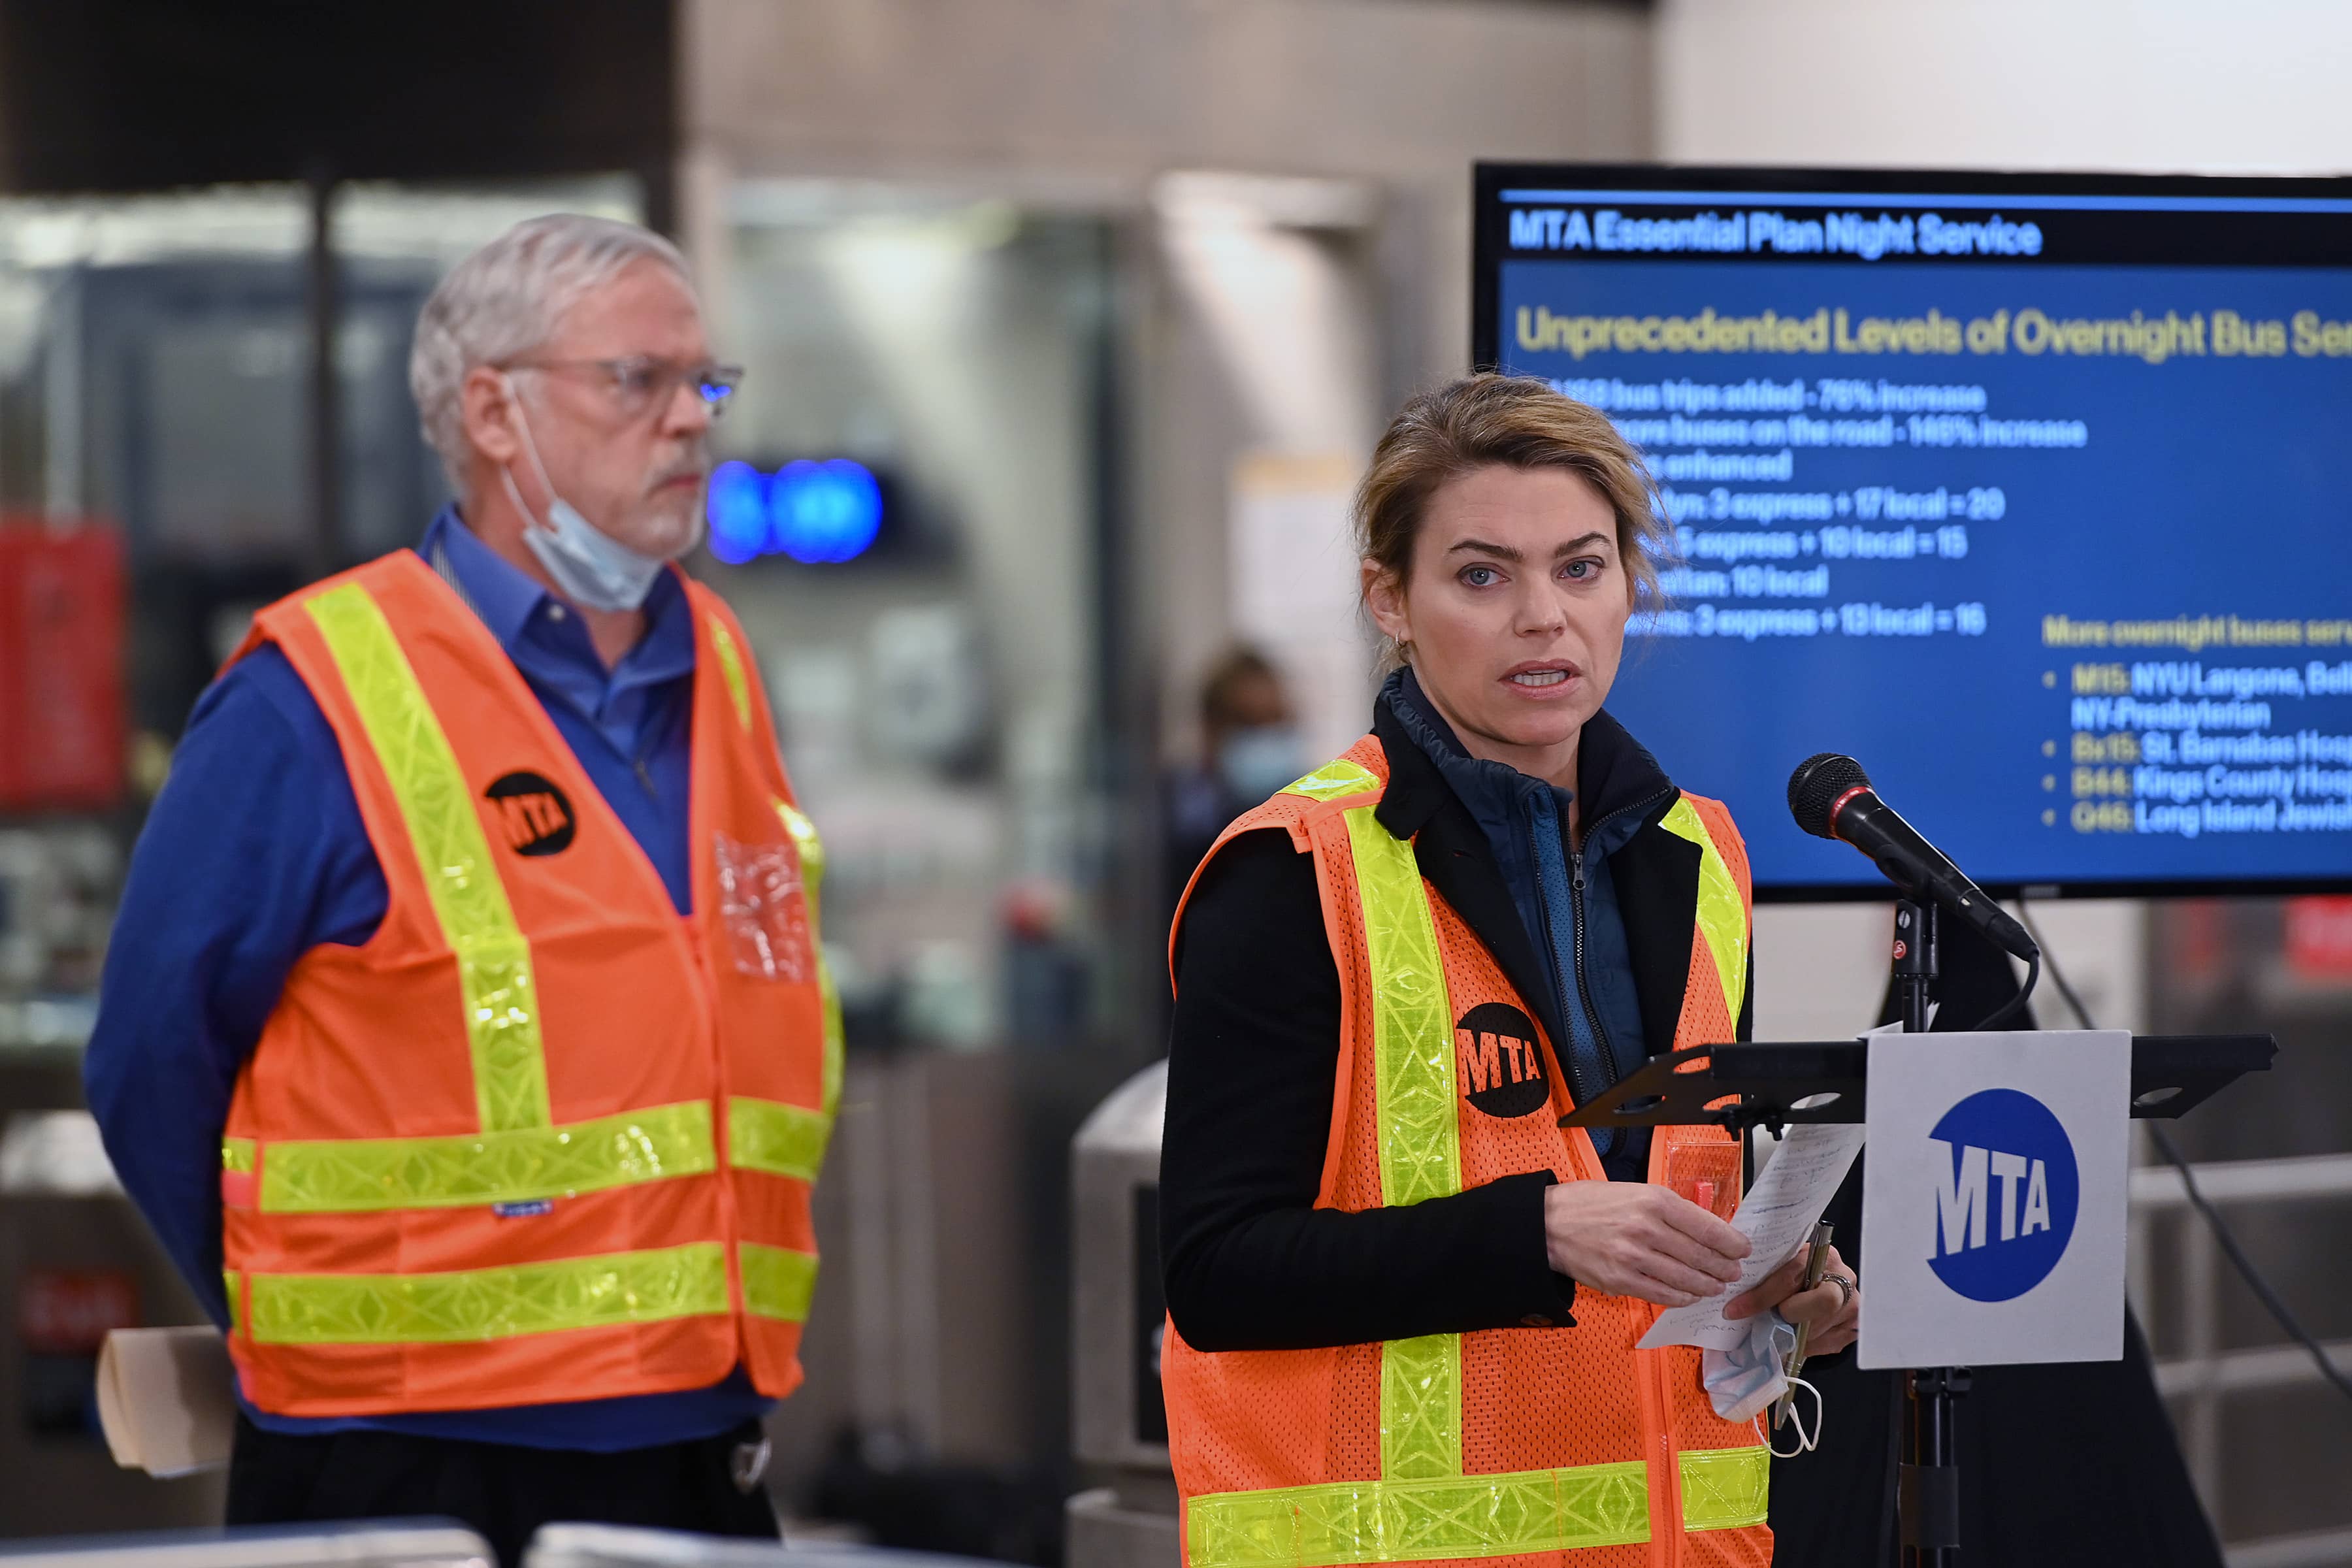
(2244, 1265)
(2002, 1014)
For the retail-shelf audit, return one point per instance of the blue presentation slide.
(2060, 549)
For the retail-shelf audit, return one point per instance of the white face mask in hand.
(593, 570)
(1744, 1382)
(1741, 1382)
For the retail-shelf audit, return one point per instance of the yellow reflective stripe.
(460, 877)
(777, 1281)
(1341, 778)
(1420, 1408)
(237, 1156)
(730, 664)
(347, 1175)
(1421, 1520)
(780, 1138)
(1420, 1152)
(228, 1280)
(603, 1291)
(811, 851)
(1722, 919)
(811, 847)
(1725, 1489)
(1412, 1025)
(829, 996)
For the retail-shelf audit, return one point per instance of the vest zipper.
(1576, 930)
(1575, 923)
(1671, 1533)
(706, 994)
(1667, 1542)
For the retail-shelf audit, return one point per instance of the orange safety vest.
(539, 1138)
(1560, 1446)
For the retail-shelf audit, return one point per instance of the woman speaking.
(1404, 1300)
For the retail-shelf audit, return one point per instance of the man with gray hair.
(464, 1033)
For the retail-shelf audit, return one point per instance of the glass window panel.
(936, 695)
(151, 350)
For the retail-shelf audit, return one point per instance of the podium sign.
(1993, 1199)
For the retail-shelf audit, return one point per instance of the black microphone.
(1831, 797)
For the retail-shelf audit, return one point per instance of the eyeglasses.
(639, 384)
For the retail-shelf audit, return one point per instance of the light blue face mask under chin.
(591, 568)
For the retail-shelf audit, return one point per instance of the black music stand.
(1777, 1084)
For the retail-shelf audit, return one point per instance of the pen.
(1817, 1263)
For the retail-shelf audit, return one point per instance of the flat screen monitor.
(2032, 492)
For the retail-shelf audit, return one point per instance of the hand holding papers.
(1777, 1215)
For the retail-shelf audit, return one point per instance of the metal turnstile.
(1119, 1420)
(629, 1546)
(412, 1543)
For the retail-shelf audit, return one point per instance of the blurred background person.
(1250, 747)
(398, 1028)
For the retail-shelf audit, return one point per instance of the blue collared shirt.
(255, 853)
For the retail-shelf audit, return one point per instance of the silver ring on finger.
(1846, 1288)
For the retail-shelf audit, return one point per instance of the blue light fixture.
(817, 512)
(738, 512)
(825, 512)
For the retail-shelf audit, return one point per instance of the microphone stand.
(1928, 1482)
(1736, 1087)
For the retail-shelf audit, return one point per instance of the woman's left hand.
(1832, 1307)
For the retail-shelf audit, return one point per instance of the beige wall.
(2156, 86)
(1087, 102)
(1089, 95)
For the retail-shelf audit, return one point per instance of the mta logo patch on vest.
(536, 817)
(1501, 1066)
(2007, 1191)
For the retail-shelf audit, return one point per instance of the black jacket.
(1249, 1262)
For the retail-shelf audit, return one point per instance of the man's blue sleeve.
(254, 853)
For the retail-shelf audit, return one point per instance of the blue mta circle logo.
(2006, 1191)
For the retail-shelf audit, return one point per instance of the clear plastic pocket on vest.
(763, 903)
(1708, 1174)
